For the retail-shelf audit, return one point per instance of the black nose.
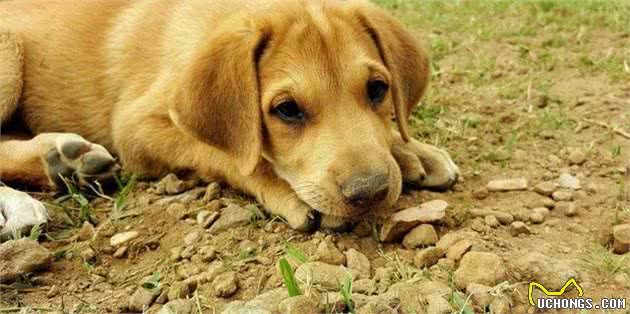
(365, 189)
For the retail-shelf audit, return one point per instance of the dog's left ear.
(219, 103)
(403, 57)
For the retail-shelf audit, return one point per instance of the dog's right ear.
(220, 101)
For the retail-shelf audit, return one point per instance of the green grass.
(346, 293)
(288, 277)
(603, 260)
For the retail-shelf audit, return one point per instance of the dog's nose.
(365, 189)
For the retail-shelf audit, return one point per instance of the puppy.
(290, 101)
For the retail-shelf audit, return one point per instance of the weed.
(603, 260)
(346, 293)
(616, 151)
(289, 278)
(152, 282)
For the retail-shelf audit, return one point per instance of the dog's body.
(290, 101)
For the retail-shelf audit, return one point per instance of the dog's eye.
(376, 91)
(289, 111)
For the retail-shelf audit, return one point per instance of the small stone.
(457, 251)
(18, 257)
(358, 264)
(179, 290)
(621, 238)
(363, 229)
(420, 236)
(545, 188)
(225, 285)
(550, 272)
(536, 218)
(518, 184)
(403, 221)
(170, 184)
(88, 255)
(121, 238)
(519, 227)
(201, 216)
(328, 253)
(491, 221)
(231, 216)
(576, 156)
(207, 254)
(428, 257)
(504, 218)
(213, 191)
(192, 238)
(560, 196)
(567, 181)
(364, 286)
(209, 220)
(142, 299)
(479, 267)
(568, 208)
(52, 292)
(326, 275)
(500, 305)
(179, 306)
(438, 305)
(480, 194)
(298, 305)
(86, 232)
(478, 225)
(120, 252)
(479, 294)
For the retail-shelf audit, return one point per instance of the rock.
(545, 188)
(267, 302)
(52, 292)
(180, 290)
(18, 257)
(479, 294)
(491, 221)
(179, 306)
(120, 252)
(479, 267)
(358, 264)
(503, 218)
(550, 272)
(170, 184)
(326, 275)
(458, 250)
(183, 198)
(500, 305)
(225, 285)
(176, 253)
(404, 220)
(568, 208)
(536, 218)
(576, 156)
(328, 253)
(428, 257)
(192, 238)
(518, 184)
(206, 218)
(363, 229)
(621, 239)
(422, 235)
(88, 255)
(364, 286)
(142, 299)
(480, 194)
(560, 196)
(449, 239)
(207, 254)
(567, 181)
(412, 294)
(519, 227)
(298, 305)
(212, 192)
(438, 305)
(122, 238)
(231, 216)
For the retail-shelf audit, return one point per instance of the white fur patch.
(19, 211)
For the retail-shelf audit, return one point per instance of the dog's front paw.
(19, 211)
(76, 159)
(425, 166)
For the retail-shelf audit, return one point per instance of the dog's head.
(311, 88)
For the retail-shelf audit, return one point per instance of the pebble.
(438, 305)
(192, 238)
(420, 236)
(480, 194)
(576, 156)
(479, 267)
(517, 184)
(479, 294)
(225, 285)
(536, 218)
(567, 181)
(621, 238)
(326, 275)
(298, 305)
(568, 208)
(213, 191)
(86, 232)
(560, 196)
(428, 257)
(179, 306)
(401, 222)
(545, 188)
(457, 251)
(502, 217)
(364, 286)
(207, 254)
(550, 272)
(170, 184)
(120, 252)
(142, 299)
(358, 264)
(519, 227)
(88, 255)
(328, 253)
(121, 238)
(491, 221)
(208, 220)
(18, 257)
(52, 292)
(231, 216)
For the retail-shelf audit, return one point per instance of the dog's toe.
(19, 212)
(425, 166)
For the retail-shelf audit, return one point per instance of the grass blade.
(288, 277)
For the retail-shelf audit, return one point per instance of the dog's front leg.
(423, 165)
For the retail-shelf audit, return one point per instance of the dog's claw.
(313, 221)
(19, 212)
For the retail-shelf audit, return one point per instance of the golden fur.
(172, 86)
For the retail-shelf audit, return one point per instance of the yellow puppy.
(290, 101)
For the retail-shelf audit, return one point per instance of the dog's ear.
(403, 57)
(220, 101)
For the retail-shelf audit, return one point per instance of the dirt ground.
(520, 89)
